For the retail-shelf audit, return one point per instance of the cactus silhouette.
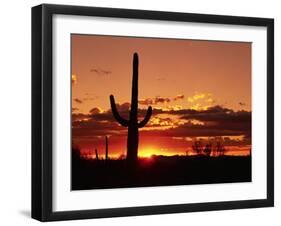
(106, 148)
(97, 154)
(132, 123)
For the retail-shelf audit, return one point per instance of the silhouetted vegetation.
(97, 154)
(132, 123)
(159, 171)
(206, 164)
(197, 147)
(213, 147)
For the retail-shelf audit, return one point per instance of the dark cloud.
(154, 101)
(79, 117)
(161, 100)
(96, 114)
(100, 71)
(125, 107)
(75, 109)
(242, 104)
(90, 97)
(215, 121)
(220, 115)
(99, 123)
(147, 101)
(79, 101)
(234, 141)
(179, 97)
(93, 128)
(95, 110)
(191, 130)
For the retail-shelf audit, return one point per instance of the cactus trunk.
(132, 123)
(133, 130)
(132, 144)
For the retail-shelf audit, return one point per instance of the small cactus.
(97, 154)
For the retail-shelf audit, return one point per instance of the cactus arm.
(115, 113)
(146, 118)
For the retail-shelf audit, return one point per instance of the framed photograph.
(145, 112)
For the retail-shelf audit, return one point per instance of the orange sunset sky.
(197, 89)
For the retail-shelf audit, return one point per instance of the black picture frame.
(42, 111)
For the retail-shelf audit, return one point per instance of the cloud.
(161, 100)
(104, 116)
(157, 121)
(93, 127)
(222, 121)
(100, 71)
(198, 96)
(123, 107)
(198, 100)
(147, 101)
(73, 79)
(99, 115)
(196, 106)
(220, 114)
(242, 104)
(78, 101)
(189, 129)
(213, 121)
(154, 101)
(210, 100)
(90, 97)
(174, 108)
(98, 123)
(79, 117)
(95, 110)
(75, 109)
(179, 97)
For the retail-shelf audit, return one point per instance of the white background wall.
(15, 114)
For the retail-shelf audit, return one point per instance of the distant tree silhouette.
(208, 149)
(219, 148)
(132, 123)
(121, 157)
(197, 146)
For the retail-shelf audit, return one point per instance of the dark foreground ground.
(160, 171)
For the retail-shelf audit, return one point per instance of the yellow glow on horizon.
(148, 152)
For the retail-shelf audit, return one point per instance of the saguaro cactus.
(132, 123)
